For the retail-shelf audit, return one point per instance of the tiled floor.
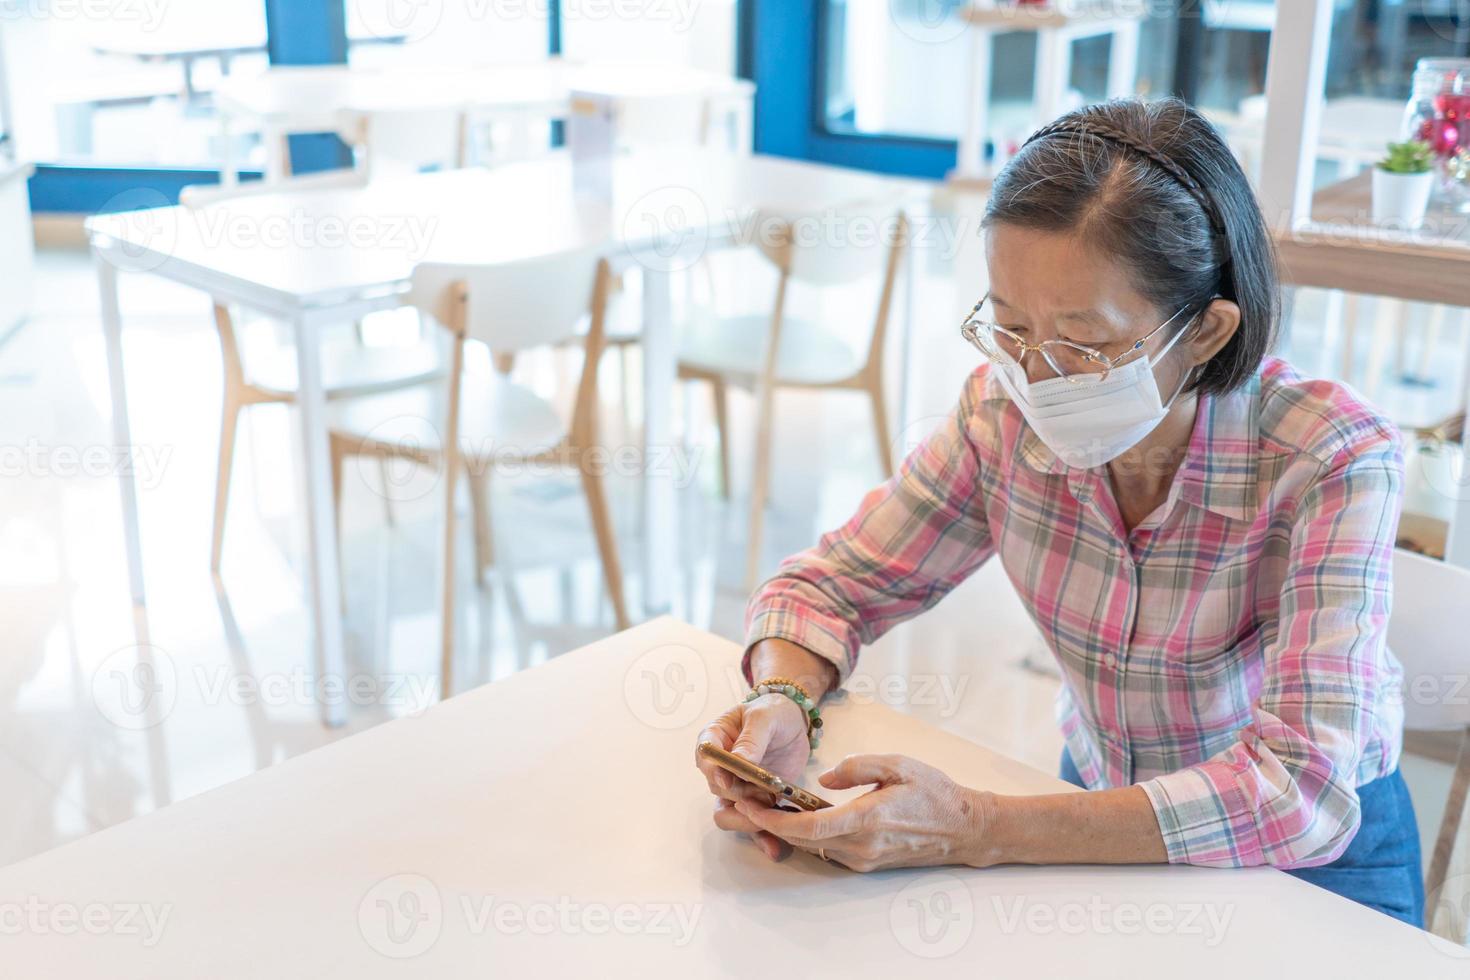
(230, 659)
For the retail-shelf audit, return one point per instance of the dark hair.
(1155, 186)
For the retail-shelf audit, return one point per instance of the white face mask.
(1091, 422)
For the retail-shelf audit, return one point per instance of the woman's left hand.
(917, 817)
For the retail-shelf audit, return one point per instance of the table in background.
(553, 824)
(202, 42)
(666, 208)
(1339, 247)
(336, 98)
(1055, 30)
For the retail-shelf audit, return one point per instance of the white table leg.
(1123, 60)
(122, 436)
(660, 500)
(323, 592)
(277, 154)
(229, 170)
(971, 161)
(742, 124)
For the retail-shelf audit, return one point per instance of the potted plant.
(1402, 183)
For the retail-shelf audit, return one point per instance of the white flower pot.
(1400, 200)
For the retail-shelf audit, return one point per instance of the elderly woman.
(1203, 536)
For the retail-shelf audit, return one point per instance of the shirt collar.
(1220, 467)
(1219, 473)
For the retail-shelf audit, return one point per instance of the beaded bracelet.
(788, 687)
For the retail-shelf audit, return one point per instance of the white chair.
(1425, 632)
(762, 353)
(696, 119)
(384, 141)
(489, 420)
(260, 370)
(412, 141)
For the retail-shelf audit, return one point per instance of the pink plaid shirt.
(1227, 656)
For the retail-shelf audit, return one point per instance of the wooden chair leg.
(1351, 311)
(1424, 372)
(722, 427)
(387, 487)
(450, 460)
(229, 426)
(1449, 831)
(880, 428)
(607, 544)
(625, 388)
(479, 483)
(338, 461)
(1390, 313)
(759, 487)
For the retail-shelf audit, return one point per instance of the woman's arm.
(912, 540)
(1111, 826)
(769, 731)
(1285, 793)
(918, 817)
(775, 657)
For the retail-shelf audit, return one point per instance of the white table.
(552, 824)
(1056, 28)
(310, 258)
(210, 32)
(1325, 239)
(339, 98)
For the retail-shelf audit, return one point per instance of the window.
(696, 34)
(447, 33)
(125, 82)
(900, 68)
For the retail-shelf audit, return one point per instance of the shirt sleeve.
(1285, 793)
(912, 540)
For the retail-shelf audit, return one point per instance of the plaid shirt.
(1227, 655)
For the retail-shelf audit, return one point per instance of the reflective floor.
(229, 658)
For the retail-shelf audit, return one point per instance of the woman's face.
(1049, 285)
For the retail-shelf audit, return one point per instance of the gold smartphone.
(764, 778)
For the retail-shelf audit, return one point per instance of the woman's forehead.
(1058, 276)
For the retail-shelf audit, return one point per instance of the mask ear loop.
(1188, 375)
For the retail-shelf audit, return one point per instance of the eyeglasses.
(1074, 362)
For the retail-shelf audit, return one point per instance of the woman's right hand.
(769, 731)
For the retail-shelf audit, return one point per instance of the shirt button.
(1110, 660)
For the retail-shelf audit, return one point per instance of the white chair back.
(516, 305)
(1428, 633)
(833, 247)
(659, 121)
(411, 141)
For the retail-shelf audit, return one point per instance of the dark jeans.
(1380, 868)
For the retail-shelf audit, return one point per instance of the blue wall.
(302, 32)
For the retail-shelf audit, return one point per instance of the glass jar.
(1439, 114)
